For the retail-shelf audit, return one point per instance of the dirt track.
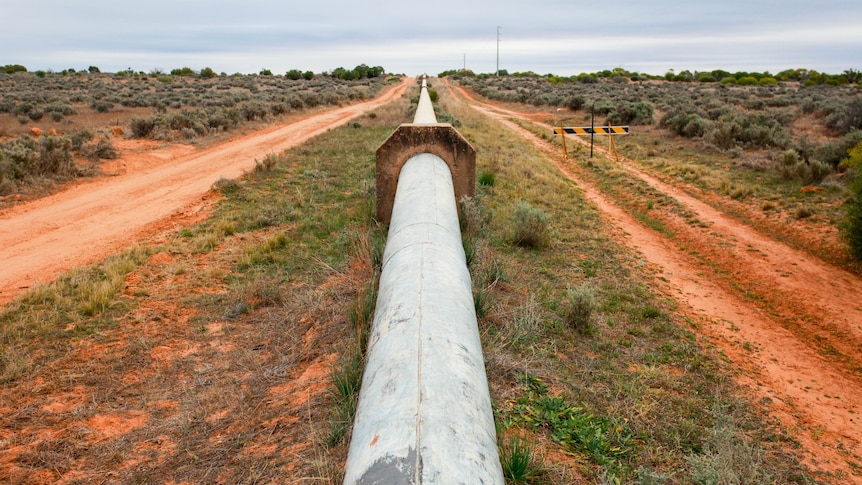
(79, 226)
(785, 346)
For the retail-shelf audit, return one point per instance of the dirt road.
(798, 347)
(83, 224)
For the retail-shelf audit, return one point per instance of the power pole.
(465, 62)
(498, 51)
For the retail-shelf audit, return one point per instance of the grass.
(53, 315)
(347, 377)
(520, 462)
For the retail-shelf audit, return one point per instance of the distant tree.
(207, 73)
(853, 76)
(294, 74)
(308, 75)
(93, 70)
(13, 68)
(265, 72)
(719, 74)
(183, 71)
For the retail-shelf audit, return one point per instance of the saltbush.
(580, 306)
(530, 226)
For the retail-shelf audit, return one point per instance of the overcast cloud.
(564, 37)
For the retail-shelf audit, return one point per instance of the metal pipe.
(424, 414)
(425, 110)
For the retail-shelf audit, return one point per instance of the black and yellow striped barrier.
(598, 130)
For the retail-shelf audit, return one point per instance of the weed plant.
(520, 461)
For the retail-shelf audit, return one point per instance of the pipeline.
(424, 413)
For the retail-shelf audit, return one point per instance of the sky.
(563, 37)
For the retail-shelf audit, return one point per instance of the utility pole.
(465, 63)
(498, 51)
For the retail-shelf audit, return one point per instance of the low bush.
(530, 226)
(581, 304)
(847, 118)
(852, 228)
(685, 122)
(637, 113)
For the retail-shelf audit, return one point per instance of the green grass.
(521, 464)
(347, 378)
(53, 315)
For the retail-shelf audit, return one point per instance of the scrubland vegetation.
(50, 120)
(594, 377)
(760, 142)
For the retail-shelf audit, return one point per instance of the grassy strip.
(46, 320)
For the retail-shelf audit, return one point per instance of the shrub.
(530, 226)
(847, 118)
(852, 229)
(581, 303)
(80, 137)
(575, 103)
(689, 125)
(639, 113)
(103, 149)
(102, 106)
(55, 156)
(142, 127)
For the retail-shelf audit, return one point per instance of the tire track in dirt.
(89, 221)
(816, 397)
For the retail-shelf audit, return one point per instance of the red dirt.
(797, 344)
(151, 192)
